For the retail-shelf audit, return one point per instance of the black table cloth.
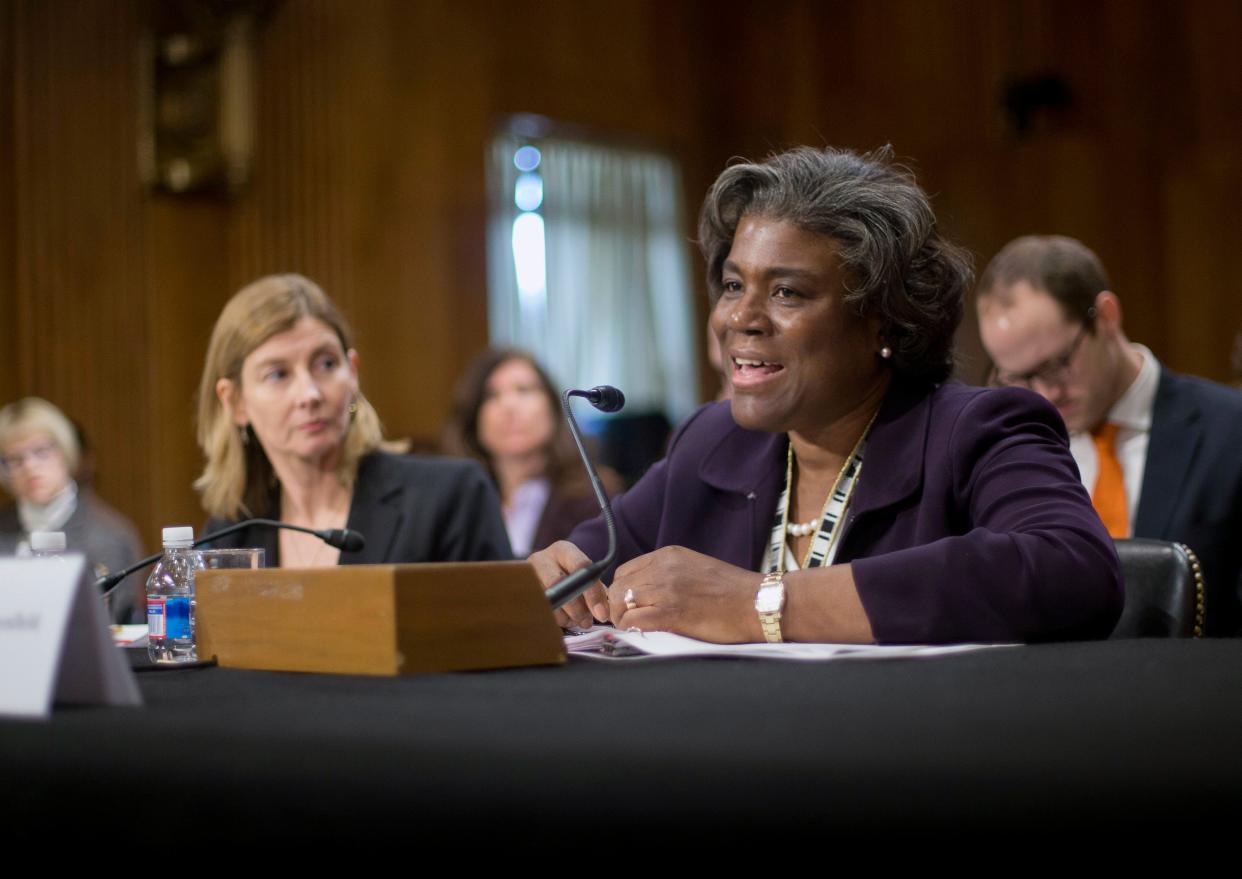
(1082, 740)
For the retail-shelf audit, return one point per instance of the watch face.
(770, 599)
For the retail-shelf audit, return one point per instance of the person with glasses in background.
(40, 455)
(1158, 451)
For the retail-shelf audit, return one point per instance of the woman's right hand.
(557, 562)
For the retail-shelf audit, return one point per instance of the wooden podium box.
(377, 619)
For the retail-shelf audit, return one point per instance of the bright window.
(589, 268)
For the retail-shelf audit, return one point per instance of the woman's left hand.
(678, 590)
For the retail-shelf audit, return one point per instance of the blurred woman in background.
(288, 435)
(39, 456)
(507, 415)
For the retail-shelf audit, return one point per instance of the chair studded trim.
(1200, 600)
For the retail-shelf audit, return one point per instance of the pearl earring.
(886, 352)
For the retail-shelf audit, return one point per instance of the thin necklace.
(305, 561)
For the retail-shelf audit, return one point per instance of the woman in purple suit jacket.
(847, 493)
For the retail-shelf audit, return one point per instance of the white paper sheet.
(606, 642)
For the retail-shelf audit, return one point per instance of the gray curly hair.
(898, 266)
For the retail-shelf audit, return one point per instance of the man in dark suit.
(1158, 451)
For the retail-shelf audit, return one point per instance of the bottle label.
(155, 618)
(177, 618)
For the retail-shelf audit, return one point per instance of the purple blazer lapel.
(893, 464)
(751, 464)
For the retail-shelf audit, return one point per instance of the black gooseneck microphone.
(342, 538)
(605, 398)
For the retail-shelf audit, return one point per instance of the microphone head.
(606, 398)
(343, 539)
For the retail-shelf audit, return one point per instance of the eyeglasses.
(1053, 372)
(35, 454)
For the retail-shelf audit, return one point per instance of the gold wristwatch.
(769, 602)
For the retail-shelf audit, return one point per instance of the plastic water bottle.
(170, 599)
(47, 544)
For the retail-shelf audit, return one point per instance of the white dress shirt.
(1132, 415)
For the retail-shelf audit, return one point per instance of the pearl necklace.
(802, 529)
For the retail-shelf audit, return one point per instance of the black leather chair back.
(1164, 590)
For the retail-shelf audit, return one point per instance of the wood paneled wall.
(373, 120)
(78, 283)
(1140, 166)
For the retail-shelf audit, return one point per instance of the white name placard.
(55, 644)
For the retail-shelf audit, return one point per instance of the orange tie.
(1109, 495)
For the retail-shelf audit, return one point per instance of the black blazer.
(410, 509)
(1192, 486)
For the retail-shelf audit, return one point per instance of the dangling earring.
(243, 433)
(353, 408)
(886, 352)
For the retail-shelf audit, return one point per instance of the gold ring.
(629, 600)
